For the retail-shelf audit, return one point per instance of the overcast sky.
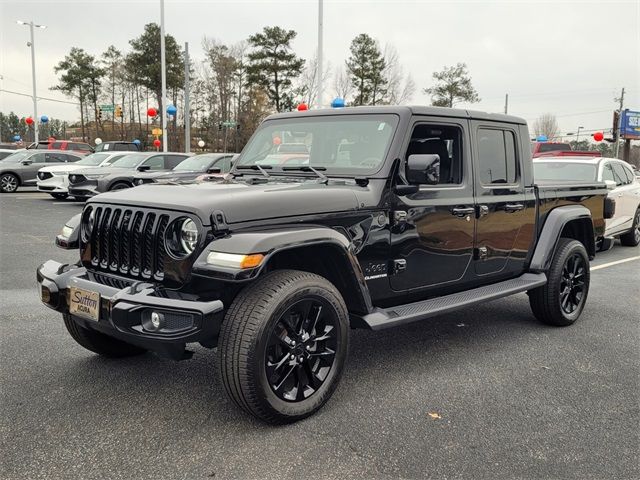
(569, 58)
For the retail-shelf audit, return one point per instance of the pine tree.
(273, 65)
(366, 66)
(453, 85)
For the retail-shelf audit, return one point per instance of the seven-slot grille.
(129, 242)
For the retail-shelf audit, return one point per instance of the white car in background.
(620, 178)
(55, 180)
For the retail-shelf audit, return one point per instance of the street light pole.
(163, 67)
(33, 75)
(320, 59)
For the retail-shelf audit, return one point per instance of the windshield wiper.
(308, 168)
(255, 166)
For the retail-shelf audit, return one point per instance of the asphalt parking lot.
(483, 393)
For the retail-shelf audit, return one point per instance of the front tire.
(100, 343)
(9, 183)
(59, 196)
(632, 237)
(283, 346)
(561, 300)
(120, 186)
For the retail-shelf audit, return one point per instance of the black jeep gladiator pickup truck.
(392, 215)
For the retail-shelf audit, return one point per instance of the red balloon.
(152, 112)
(598, 136)
(28, 120)
(156, 143)
(302, 107)
(277, 140)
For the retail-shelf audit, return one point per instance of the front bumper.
(87, 188)
(122, 311)
(55, 184)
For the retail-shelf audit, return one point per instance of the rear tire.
(9, 183)
(59, 196)
(283, 346)
(561, 300)
(120, 186)
(632, 237)
(99, 342)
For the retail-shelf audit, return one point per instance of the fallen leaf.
(434, 415)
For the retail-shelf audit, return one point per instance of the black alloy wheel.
(301, 349)
(573, 283)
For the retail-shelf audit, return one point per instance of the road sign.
(156, 131)
(107, 108)
(630, 125)
(228, 124)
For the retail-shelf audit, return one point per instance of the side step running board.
(399, 315)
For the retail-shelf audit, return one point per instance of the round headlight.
(181, 238)
(139, 181)
(72, 178)
(89, 221)
(189, 235)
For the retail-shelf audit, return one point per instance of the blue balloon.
(16, 138)
(337, 103)
(172, 110)
(136, 141)
(44, 119)
(541, 138)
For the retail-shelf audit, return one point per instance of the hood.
(161, 174)
(102, 170)
(66, 167)
(240, 202)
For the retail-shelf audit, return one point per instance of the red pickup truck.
(556, 149)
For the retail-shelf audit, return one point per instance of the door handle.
(463, 211)
(513, 207)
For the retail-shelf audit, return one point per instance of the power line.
(39, 98)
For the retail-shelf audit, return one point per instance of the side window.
(224, 164)
(38, 158)
(55, 157)
(619, 175)
(442, 140)
(607, 172)
(497, 158)
(56, 145)
(174, 160)
(72, 158)
(155, 163)
(114, 159)
(630, 175)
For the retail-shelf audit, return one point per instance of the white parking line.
(617, 262)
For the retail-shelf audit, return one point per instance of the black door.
(506, 207)
(433, 229)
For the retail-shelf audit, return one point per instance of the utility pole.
(320, 63)
(163, 68)
(33, 74)
(621, 107)
(187, 107)
(506, 103)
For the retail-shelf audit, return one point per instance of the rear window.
(554, 147)
(569, 171)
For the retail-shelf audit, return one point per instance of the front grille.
(129, 242)
(44, 175)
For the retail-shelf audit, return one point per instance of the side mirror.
(27, 162)
(610, 184)
(214, 170)
(423, 169)
(143, 168)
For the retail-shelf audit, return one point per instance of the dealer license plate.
(84, 303)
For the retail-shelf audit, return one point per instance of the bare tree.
(342, 85)
(400, 88)
(547, 125)
(308, 80)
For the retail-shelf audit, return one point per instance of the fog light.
(153, 322)
(45, 294)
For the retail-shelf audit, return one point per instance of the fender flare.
(273, 241)
(550, 233)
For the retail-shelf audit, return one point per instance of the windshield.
(17, 157)
(130, 161)
(199, 163)
(341, 144)
(93, 159)
(564, 171)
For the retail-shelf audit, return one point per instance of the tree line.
(234, 87)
